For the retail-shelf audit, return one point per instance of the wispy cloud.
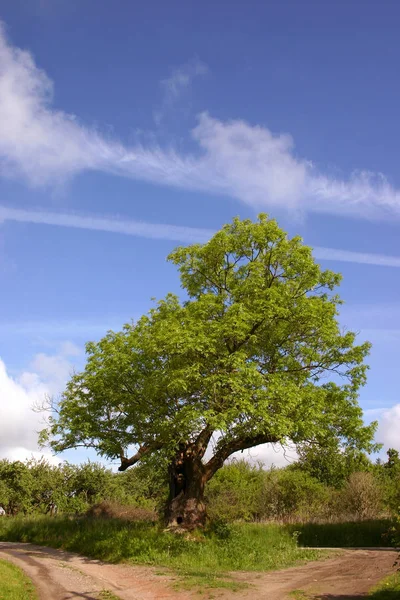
(178, 83)
(173, 233)
(113, 225)
(43, 145)
(366, 258)
(381, 335)
(373, 317)
(78, 329)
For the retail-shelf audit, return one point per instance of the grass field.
(247, 547)
(14, 585)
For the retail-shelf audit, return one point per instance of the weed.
(299, 595)
(107, 595)
(206, 581)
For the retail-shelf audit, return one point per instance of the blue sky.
(129, 128)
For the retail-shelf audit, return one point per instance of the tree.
(331, 464)
(253, 355)
(393, 463)
(388, 474)
(16, 487)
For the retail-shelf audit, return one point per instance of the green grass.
(388, 589)
(107, 595)
(245, 547)
(14, 584)
(343, 535)
(208, 581)
(299, 595)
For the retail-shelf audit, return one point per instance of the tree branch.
(143, 450)
(232, 446)
(202, 440)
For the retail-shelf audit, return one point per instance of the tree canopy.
(253, 353)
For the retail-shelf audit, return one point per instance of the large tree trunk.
(186, 508)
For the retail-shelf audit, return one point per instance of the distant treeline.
(323, 485)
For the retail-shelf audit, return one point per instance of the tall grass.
(248, 547)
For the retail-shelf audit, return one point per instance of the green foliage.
(393, 462)
(240, 491)
(393, 533)
(145, 485)
(249, 547)
(292, 495)
(234, 493)
(34, 487)
(331, 464)
(14, 584)
(17, 486)
(388, 477)
(253, 353)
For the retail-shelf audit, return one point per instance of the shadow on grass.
(343, 535)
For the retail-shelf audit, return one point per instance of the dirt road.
(62, 575)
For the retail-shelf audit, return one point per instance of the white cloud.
(44, 145)
(250, 163)
(177, 83)
(22, 454)
(169, 232)
(19, 424)
(389, 428)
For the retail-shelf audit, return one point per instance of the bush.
(290, 495)
(361, 497)
(234, 492)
